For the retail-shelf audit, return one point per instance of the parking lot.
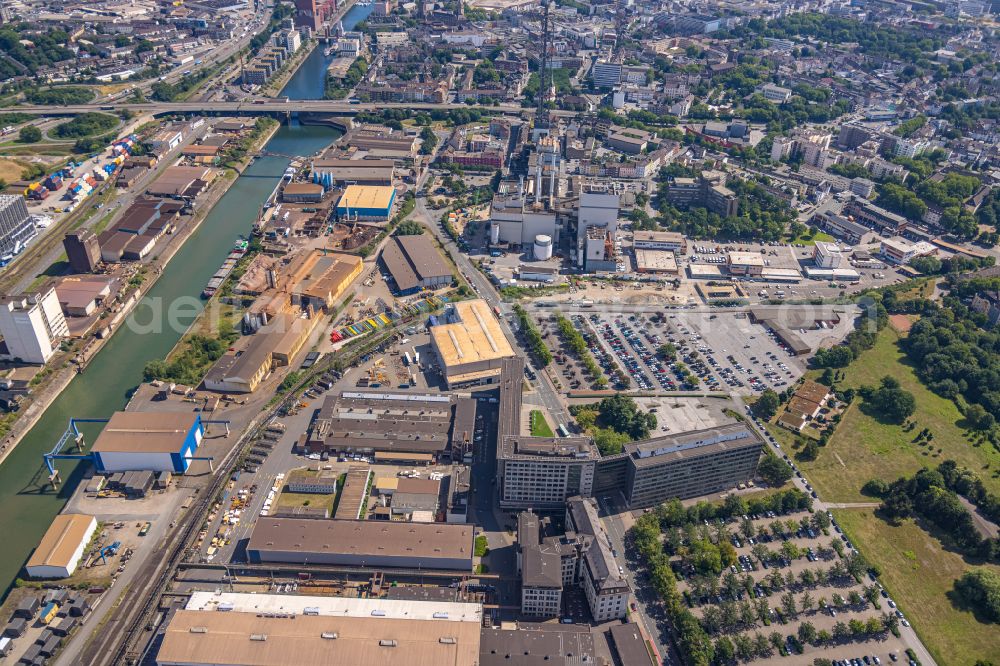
(794, 570)
(684, 351)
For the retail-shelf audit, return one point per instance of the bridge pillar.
(54, 480)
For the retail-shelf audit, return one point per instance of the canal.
(309, 81)
(27, 503)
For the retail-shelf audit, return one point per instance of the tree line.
(927, 494)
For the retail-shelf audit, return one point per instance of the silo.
(494, 233)
(543, 247)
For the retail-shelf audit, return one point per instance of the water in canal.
(310, 79)
(27, 504)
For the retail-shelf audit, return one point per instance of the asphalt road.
(646, 602)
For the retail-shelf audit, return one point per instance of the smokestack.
(538, 181)
(520, 187)
(552, 187)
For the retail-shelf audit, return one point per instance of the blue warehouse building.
(371, 203)
(153, 441)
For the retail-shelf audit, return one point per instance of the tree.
(668, 352)
(767, 405)
(788, 604)
(409, 228)
(725, 652)
(821, 520)
(621, 413)
(29, 134)
(890, 401)
(980, 588)
(744, 647)
(806, 602)
(841, 631)
(773, 470)
(747, 528)
(979, 418)
(761, 645)
(810, 451)
(735, 505)
(807, 632)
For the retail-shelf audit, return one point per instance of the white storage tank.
(543, 247)
(494, 233)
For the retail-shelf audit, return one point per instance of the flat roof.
(241, 602)
(655, 260)
(537, 645)
(746, 258)
(303, 188)
(367, 196)
(64, 536)
(658, 237)
(363, 537)
(475, 336)
(145, 432)
(226, 638)
(695, 443)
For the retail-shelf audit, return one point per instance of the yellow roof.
(366, 196)
(64, 536)
(477, 336)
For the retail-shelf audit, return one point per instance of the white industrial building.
(595, 210)
(514, 222)
(828, 255)
(32, 326)
(62, 546)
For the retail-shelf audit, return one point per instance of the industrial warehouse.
(470, 344)
(152, 441)
(60, 550)
(366, 203)
(273, 630)
(414, 263)
(426, 427)
(362, 543)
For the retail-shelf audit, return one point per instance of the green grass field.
(539, 426)
(919, 573)
(862, 448)
(806, 239)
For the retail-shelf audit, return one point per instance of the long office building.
(543, 473)
(690, 464)
(537, 472)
